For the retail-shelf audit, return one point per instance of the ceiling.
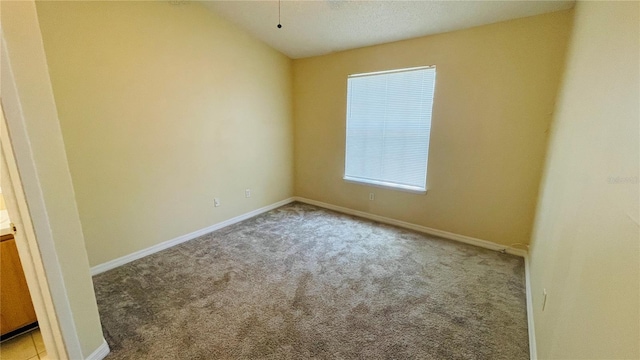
(311, 28)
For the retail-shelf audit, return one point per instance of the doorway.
(20, 337)
(44, 342)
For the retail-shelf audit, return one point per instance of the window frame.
(385, 184)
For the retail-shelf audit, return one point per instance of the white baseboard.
(533, 352)
(423, 229)
(101, 352)
(180, 239)
(456, 237)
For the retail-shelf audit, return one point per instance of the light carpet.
(301, 282)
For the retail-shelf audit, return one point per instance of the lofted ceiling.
(311, 28)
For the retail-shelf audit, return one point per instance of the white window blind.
(388, 127)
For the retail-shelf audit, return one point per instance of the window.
(388, 128)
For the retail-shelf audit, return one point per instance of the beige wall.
(585, 248)
(162, 108)
(37, 141)
(494, 99)
(151, 143)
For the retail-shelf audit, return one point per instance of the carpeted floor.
(300, 282)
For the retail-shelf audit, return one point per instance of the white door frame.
(28, 251)
(37, 254)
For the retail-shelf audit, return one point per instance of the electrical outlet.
(216, 202)
(544, 298)
(247, 193)
(372, 196)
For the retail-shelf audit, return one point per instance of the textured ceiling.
(313, 28)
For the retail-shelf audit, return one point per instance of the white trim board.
(423, 229)
(180, 239)
(533, 352)
(25, 200)
(101, 352)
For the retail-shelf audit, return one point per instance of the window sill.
(383, 185)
